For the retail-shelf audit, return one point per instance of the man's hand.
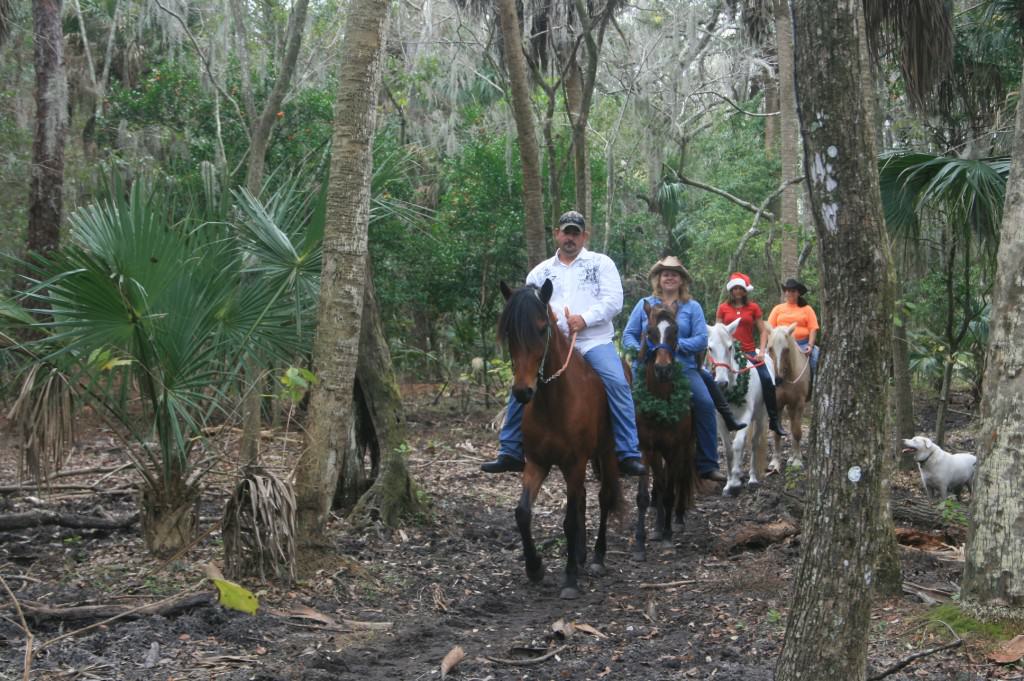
(808, 349)
(576, 323)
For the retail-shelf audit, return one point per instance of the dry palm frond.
(43, 416)
(918, 35)
(259, 527)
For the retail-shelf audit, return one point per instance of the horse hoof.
(667, 544)
(731, 491)
(754, 485)
(680, 518)
(535, 574)
(569, 593)
(597, 569)
(640, 556)
(655, 535)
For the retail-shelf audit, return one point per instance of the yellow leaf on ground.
(236, 597)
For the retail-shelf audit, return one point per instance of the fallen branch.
(755, 536)
(19, 521)
(524, 663)
(916, 656)
(27, 663)
(667, 585)
(41, 612)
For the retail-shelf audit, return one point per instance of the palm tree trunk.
(336, 347)
(827, 632)
(789, 147)
(993, 585)
(529, 154)
(45, 209)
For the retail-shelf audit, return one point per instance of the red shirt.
(748, 316)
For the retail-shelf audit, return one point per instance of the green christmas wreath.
(665, 411)
(737, 394)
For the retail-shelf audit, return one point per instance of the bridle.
(544, 357)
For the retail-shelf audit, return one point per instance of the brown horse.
(668, 448)
(793, 389)
(566, 422)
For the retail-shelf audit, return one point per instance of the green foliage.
(737, 394)
(965, 625)
(953, 512)
(295, 382)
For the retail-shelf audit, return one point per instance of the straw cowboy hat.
(670, 263)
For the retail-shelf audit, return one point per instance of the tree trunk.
(771, 123)
(993, 583)
(826, 637)
(336, 346)
(45, 208)
(789, 147)
(903, 396)
(393, 494)
(170, 516)
(529, 154)
(580, 157)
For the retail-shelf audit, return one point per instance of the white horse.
(728, 374)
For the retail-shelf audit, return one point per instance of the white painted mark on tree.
(853, 474)
(867, 577)
(829, 211)
(832, 151)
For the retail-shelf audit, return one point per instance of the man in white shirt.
(588, 284)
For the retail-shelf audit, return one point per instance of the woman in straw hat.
(738, 306)
(671, 283)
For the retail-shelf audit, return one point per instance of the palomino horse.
(566, 422)
(667, 444)
(732, 369)
(794, 384)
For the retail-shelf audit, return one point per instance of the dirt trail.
(454, 579)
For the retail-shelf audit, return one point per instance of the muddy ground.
(386, 604)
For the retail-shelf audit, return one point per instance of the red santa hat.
(738, 279)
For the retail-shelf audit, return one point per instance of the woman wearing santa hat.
(749, 313)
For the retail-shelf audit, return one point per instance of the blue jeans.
(814, 355)
(605, 361)
(704, 420)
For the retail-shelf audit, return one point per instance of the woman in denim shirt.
(671, 283)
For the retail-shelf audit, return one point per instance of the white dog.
(941, 472)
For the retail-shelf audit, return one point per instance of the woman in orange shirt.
(795, 310)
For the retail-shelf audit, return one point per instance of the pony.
(668, 448)
(793, 384)
(730, 375)
(566, 423)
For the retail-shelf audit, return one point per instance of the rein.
(543, 360)
(807, 363)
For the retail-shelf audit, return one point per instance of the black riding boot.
(723, 407)
(771, 406)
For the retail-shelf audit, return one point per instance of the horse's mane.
(794, 351)
(516, 325)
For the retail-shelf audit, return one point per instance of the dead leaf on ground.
(1011, 651)
(587, 629)
(306, 613)
(454, 656)
(563, 629)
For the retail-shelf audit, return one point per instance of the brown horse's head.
(527, 325)
(660, 338)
